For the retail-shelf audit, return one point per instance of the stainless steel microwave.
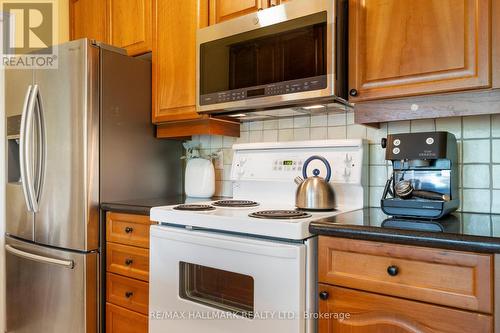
(294, 54)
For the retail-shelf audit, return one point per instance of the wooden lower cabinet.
(120, 320)
(365, 312)
(127, 272)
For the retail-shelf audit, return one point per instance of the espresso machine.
(424, 180)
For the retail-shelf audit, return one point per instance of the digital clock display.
(287, 162)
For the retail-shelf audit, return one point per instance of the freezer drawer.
(50, 290)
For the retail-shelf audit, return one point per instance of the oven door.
(214, 283)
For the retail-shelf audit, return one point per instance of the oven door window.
(223, 290)
(292, 50)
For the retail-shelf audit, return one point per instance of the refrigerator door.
(19, 218)
(50, 290)
(68, 209)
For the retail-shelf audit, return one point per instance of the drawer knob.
(392, 270)
(324, 295)
(129, 294)
(128, 230)
(353, 92)
(128, 262)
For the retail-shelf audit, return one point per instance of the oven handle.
(231, 243)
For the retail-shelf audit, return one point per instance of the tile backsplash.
(478, 139)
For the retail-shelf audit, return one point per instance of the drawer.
(458, 279)
(127, 260)
(120, 320)
(367, 312)
(128, 293)
(128, 229)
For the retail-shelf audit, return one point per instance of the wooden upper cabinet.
(88, 19)
(221, 10)
(174, 60)
(403, 48)
(130, 25)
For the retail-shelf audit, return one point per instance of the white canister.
(199, 180)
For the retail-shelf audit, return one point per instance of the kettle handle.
(322, 159)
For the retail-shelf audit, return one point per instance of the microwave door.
(19, 212)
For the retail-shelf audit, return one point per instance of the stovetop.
(292, 224)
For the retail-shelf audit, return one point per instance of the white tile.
(460, 152)
(476, 151)
(378, 175)
(422, 125)
(228, 141)
(495, 208)
(228, 156)
(476, 127)
(301, 134)
(256, 126)
(450, 124)
(496, 151)
(270, 124)
(337, 119)
(244, 126)
(396, 127)
(204, 141)
(374, 135)
(375, 195)
(476, 176)
(285, 123)
(377, 155)
(255, 136)
(270, 136)
(476, 201)
(496, 176)
(227, 188)
(495, 222)
(356, 132)
(301, 122)
(243, 137)
(320, 120)
(216, 141)
(495, 125)
(285, 135)
(476, 224)
(226, 172)
(319, 133)
(337, 132)
(350, 118)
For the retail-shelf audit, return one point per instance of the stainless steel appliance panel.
(134, 163)
(50, 290)
(19, 220)
(68, 212)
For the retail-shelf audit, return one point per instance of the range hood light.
(313, 107)
(237, 115)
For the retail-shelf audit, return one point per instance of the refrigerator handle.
(28, 156)
(35, 257)
(24, 150)
(41, 148)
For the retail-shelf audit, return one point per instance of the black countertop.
(462, 231)
(143, 206)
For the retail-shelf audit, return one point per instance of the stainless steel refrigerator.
(77, 135)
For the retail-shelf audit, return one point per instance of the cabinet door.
(403, 48)
(88, 19)
(360, 312)
(174, 61)
(221, 10)
(130, 25)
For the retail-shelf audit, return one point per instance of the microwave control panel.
(280, 88)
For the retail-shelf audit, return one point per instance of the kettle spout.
(298, 180)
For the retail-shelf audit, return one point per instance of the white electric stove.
(257, 263)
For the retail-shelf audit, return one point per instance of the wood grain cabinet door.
(130, 25)
(403, 48)
(88, 20)
(221, 10)
(347, 310)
